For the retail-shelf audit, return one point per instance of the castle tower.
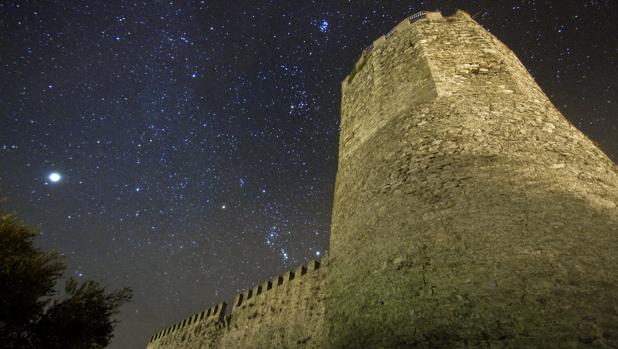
(468, 211)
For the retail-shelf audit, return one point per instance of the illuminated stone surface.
(468, 213)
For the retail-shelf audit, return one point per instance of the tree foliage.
(31, 314)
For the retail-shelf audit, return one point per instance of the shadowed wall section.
(468, 211)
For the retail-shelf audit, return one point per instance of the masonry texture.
(468, 213)
(285, 312)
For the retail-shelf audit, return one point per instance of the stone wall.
(201, 330)
(289, 315)
(377, 80)
(285, 312)
(468, 212)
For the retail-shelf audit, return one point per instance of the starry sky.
(188, 149)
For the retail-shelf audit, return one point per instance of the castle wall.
(468, 211)
(285, 312)
(290, 315)
(201, 330)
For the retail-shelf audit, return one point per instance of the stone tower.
(468, 211)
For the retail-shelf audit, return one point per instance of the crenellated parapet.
(274, 283)
(258, 314)
(211, 317)
(281, 312)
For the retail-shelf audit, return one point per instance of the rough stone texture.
(285, 312)
(468, 212)
(201, 330)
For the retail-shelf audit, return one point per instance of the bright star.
(54, 177)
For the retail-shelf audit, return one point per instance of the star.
(54, 177)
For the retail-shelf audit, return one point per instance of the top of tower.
(422, 15)
(410, 20)
(403, 25)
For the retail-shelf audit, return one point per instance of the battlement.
(281, 291)
(275, 282)
(215, 313)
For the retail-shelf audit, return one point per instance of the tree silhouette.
(30, 314)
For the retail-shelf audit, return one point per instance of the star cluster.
(188, 149)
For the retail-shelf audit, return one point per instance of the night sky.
(189, 149)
